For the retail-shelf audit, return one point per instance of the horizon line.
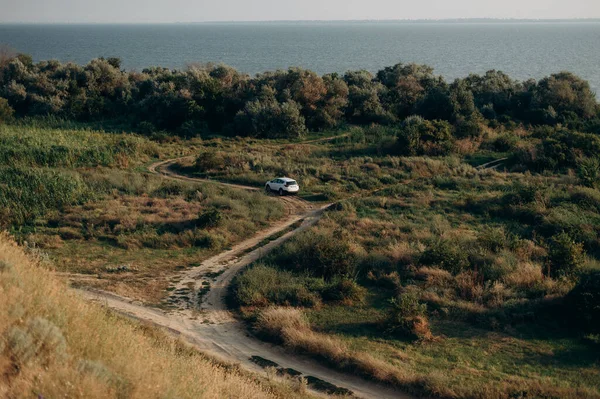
(405, 20)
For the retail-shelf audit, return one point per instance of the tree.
(6, 112)
(406, 85)
(465, 115)
(330, 109)
(436, 104)
(364, 102)
(494, 91)
(6, 55)
(270, 119)
(418, 136)
(565, 92)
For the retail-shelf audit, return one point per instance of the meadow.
(86, 199)
(450, 280)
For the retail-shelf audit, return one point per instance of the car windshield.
(291, 183)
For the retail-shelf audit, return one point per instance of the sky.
(151, 11)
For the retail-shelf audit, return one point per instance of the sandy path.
(200, 313)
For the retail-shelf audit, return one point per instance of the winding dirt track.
(201, 316)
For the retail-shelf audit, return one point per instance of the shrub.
(209, 160)
(319, 254)
(209, 218)
(418, 136)
(565, 256)
(446, 255)
(6, 112)
(344, 290)
(146, 128)
(493, 239)
(583, 302)
(40, 340)
(407, 316)
(468, 128)
(588, 170)
(5, 266)
(563, 149)
(272, 322)
(505, 142)
(587, 198)
(168, 188)
(263, 286)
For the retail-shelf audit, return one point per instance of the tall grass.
(290, 327)
(32, 146)
(52, 344)
(28, 193)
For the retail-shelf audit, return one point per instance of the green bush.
(318, 254)
(493, 239)
(586, 198)
(6, 111)
(446, 255)
(583, 302)
(408, 317)
(209, 160)
(209, 218)
(418, 136)
(588, 170)
(565, 256)
(505, 142)
(468, 128)
(262, 286)
(344, 290)
(563, 149)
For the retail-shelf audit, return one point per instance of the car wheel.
(280, 191)
(268, 188)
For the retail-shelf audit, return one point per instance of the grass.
(85, 196)
(485, 256)
(44, 147)
(55, 344)
(473, 246)
(324, 169)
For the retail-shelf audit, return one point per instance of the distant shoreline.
(300, 22)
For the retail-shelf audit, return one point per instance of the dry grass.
(290, 326)
(53, 344)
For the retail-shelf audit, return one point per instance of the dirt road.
(200, 313)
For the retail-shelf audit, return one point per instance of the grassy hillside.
(53, 344)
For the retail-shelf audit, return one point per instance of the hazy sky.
(260, 10)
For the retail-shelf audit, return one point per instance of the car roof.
(285, 179)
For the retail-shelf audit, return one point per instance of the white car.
(282, 185)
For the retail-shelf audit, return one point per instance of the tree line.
(204, 99)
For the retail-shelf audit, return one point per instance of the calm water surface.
(523, 50)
